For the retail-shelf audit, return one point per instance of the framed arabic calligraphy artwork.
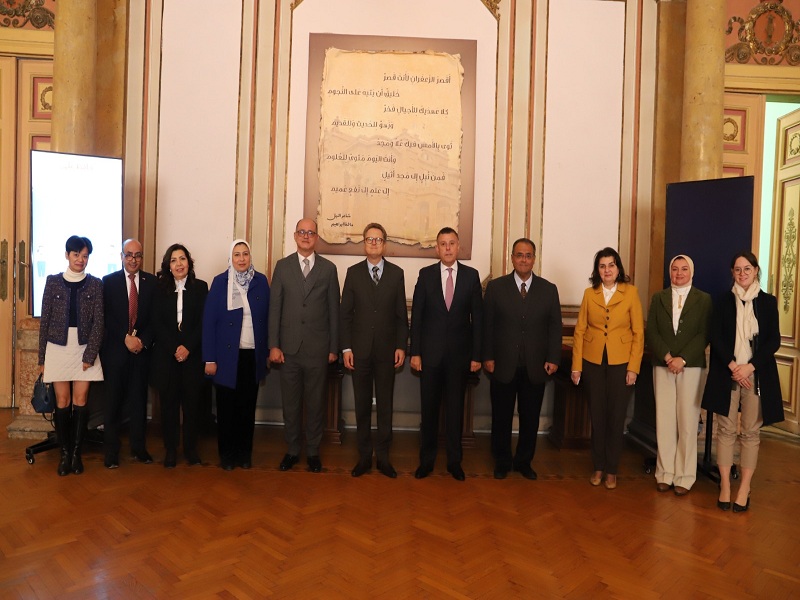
(391, 123)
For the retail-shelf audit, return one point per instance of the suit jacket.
(374, 319)
(512, 325)
(115, 301)
(304, 317)
(222, 328)
(691, 339)
(54, 324)
(167, 336)
(439, 335)
(618, 327)
(717, 394)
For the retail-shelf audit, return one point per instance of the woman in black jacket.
(743, 374)
(176, 368)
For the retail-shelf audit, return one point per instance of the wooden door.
(8, 136)
(784, 264)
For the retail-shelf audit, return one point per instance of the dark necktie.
(133, 303)
(523, 291)
(375, 277)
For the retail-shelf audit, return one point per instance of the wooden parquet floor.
(141, 531)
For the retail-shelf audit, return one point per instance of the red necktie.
(133, 303)
(448, 288)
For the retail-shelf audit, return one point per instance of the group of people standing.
(169, 329)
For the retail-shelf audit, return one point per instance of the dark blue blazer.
(441, 336)
(222, 328)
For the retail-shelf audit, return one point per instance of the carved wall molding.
(20, 13)
(789, 262)
(767, 36)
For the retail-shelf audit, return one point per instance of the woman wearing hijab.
(235, 352)
(743, 374)
(677, 335)
(70, 334)
(176, 368)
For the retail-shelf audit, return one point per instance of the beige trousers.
(677, 414)
(749, 438)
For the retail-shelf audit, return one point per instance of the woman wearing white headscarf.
(677, 335)
(235, 352)
(743, 374)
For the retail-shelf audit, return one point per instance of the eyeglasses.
(521, 255)
(745, 270)
(306, 233)
(131, 256)
(373, 240)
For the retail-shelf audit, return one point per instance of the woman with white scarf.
(235, 352)
(677, 335)
(743, 374)
(70, 334)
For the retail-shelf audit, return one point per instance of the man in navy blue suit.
(128, 298)
(445, 347)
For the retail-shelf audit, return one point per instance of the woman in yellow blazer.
(607, 350)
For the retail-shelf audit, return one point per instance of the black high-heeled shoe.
(723, 505)
(738, 508)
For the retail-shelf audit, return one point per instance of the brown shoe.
(681, 491)
(610, 483)
(663, 487)
(596, 478)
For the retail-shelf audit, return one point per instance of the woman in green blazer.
(677, 335)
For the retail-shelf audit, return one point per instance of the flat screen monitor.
(73, 194)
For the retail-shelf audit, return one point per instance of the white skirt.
(65, 363)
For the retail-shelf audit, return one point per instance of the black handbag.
(44, 397)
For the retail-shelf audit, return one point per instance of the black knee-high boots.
(62, 419)
(80, 417)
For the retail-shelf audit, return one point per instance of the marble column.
(74, 77)
(703, 90)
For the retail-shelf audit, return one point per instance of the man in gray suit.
(303, 338)
(374, 325)
(521, 350)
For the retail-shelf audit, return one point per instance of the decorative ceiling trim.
(33, 12)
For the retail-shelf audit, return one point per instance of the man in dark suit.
(445, 347)
(128, 298)
(374, 330)
(521, 350)
(304, 338)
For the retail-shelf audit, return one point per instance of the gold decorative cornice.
(788, 262)
(29, 11)
(761, 39)
(492, 5)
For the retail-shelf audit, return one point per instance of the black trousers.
(182, 396)
(370, 372)
(126, 395)
(236, 412)
(446, 383)
(608, 407)
(528, 398)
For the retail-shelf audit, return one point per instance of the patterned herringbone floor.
(197, 532)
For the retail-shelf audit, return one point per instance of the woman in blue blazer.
(235, 352)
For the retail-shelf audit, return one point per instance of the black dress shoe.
(246, 464)
(363, 466)
(737, 508)
(526, 472)
(193, 459)
(386, 468)
(314, 464)
(289, 460)
(457, 472)
(111, 461)
(170, 459)
(723, 505)
(500, 473)
(143, 457)
(422, 472)
(227, 465)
